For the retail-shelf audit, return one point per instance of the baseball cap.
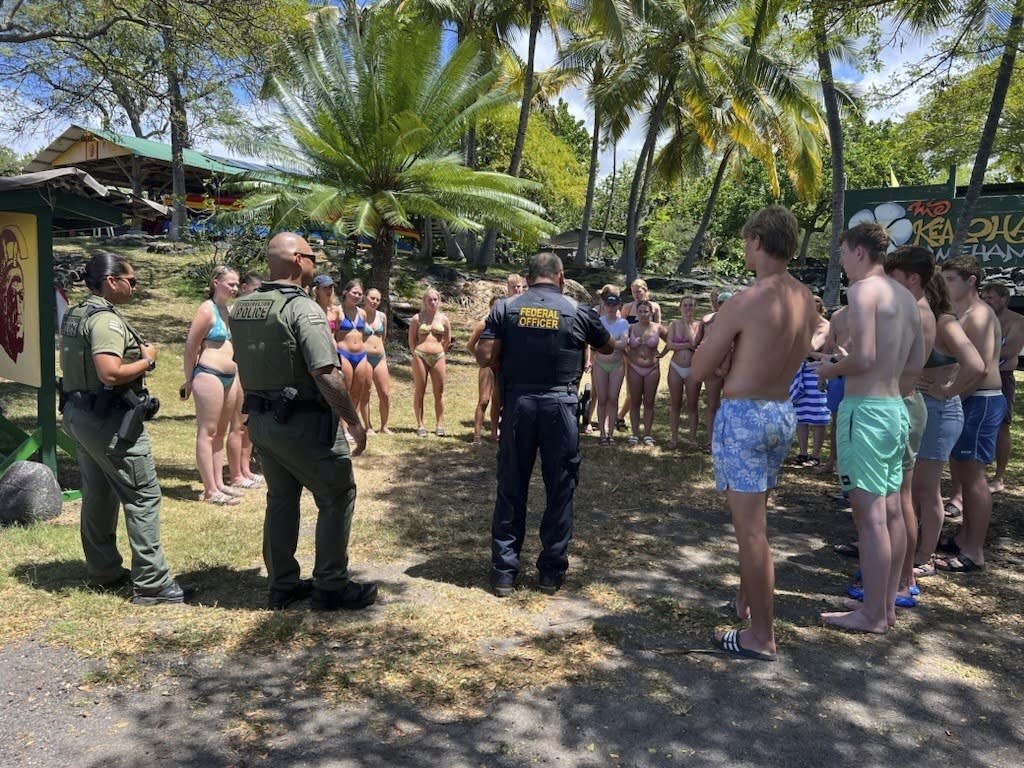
(611, 298)
(322, 280)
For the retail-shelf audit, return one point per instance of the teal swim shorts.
(871, 434)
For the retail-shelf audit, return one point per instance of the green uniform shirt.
(82, 336)
(308, 340)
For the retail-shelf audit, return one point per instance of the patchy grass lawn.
(652, 561)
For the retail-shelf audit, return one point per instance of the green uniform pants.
(293, 456)
(114, 472)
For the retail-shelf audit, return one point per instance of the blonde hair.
(218, 272)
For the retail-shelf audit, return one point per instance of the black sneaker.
(280, 599)
(503, 586)
(549, 584)
(122, 583)
(353, 597)
(172, 593)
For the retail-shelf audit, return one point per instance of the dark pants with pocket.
(530, 422)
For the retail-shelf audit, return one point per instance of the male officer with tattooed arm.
(294, 397)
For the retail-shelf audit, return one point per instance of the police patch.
(115, 325)
(317, 318)
(70, 325)
(539, 317)
(254, 309)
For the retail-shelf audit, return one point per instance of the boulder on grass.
(29, 493)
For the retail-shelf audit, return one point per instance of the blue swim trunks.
(983, 413)
(750, 442)
(834, 393)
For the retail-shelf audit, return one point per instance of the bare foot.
(854, 605)
(854, 621)
(369, 431)
(386, 431)
(996, 486)
(742, 608)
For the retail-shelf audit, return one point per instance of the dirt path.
(945, 686)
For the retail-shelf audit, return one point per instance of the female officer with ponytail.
(104, 362)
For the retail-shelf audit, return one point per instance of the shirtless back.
(775, 313)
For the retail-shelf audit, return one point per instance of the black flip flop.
(729, 643)
(847, 550)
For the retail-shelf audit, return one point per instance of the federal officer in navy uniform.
(294, 396)
(538, 338)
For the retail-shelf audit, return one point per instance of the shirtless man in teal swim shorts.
(885, 344)
(755, 423)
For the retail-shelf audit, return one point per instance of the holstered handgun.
(62, 397)
(283, 405)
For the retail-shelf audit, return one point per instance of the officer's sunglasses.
(310, 256)
(130, 280)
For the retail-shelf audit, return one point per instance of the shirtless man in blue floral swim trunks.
(872, 424)
(755, 424)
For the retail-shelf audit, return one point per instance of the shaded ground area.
(653, 561)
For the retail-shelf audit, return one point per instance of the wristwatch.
(152, 363)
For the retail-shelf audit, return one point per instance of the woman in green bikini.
(430, 334)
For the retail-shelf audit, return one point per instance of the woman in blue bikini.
(211, 375)
(430, 334)
(376, 331)
(351, 342)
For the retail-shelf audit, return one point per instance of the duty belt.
(565, 389)
(87, 400)
(261, 404)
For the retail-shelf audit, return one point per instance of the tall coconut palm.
(373, 117)
(703, 57)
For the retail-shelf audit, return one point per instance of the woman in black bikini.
(211, 375)
(430, 334)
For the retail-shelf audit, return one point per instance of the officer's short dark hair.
(546, 265)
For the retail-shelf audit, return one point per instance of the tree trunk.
(988, 133)
(427, 238)
(833, 277)
(698, 238)
(611, 199)
(595, 146)
(486, 254)
(179, 128)
(383, 251)
(628, 260)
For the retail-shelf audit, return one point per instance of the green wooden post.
(47, 395)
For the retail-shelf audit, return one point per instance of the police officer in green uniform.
(539, 338)
(104, 362)
(294, 396)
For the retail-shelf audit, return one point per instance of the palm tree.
(374, 115)
(702, 61)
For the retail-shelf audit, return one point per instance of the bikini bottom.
(375, 358)
(684, 373)
(429, 358)
(226, 379)
(355, 358)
